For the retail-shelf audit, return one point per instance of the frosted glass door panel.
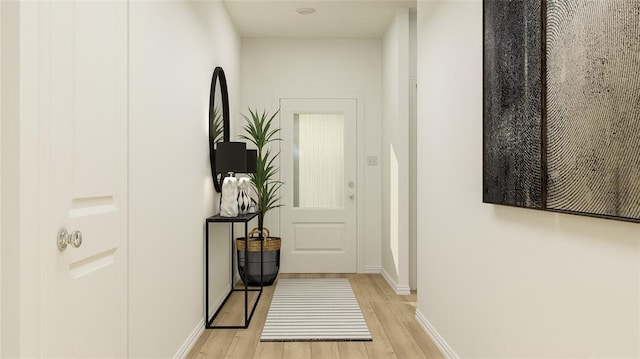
(318, 160)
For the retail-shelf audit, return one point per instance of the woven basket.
(269, 243)
(270, 258)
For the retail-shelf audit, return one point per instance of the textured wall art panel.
(512, 103)
(593, 107)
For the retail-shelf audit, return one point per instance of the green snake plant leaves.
(261, 130)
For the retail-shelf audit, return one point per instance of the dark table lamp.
(231, 157)
(252, 161)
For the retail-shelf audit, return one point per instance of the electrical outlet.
(372, 160)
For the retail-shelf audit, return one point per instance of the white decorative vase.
(244, 201)
(229, 199)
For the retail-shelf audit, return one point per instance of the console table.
(242, 218)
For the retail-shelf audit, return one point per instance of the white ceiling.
(332, 19)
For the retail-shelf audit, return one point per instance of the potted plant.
(260, 131)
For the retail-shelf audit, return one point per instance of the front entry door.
(318, 167)
(83, 106)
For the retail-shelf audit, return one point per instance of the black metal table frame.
(247, 317)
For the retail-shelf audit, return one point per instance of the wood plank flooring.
(391, 321)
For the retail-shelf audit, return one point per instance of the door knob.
(351, 196)
(64, 239)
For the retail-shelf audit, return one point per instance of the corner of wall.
(191, 341)
(400, 289)
(395, 147)
(437, 339)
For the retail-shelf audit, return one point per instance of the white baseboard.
(191, 341)
(399, 289)
(199, 329)
(372, 270)
(437, 339)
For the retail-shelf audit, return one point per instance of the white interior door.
(318, 167)
(83, 99)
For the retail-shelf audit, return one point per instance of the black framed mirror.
(218, 119)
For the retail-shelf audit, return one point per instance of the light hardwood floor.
(391, 321)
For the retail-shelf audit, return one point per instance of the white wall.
(497, 281)
(174, 47)
(323, 68)
(395, 153)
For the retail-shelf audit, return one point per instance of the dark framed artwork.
(512, 103)
(593, 99)
(566, 138)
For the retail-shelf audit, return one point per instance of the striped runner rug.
(314, 310)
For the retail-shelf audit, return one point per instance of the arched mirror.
(218, 119)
